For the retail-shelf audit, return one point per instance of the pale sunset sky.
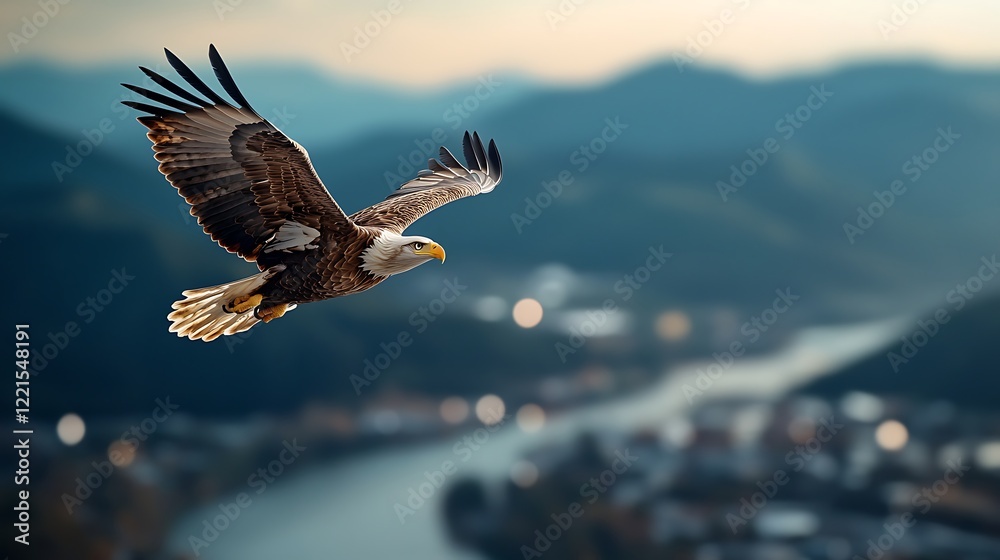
(431, 43)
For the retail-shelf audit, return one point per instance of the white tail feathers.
(200, 315)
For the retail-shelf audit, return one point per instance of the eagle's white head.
(392, 253)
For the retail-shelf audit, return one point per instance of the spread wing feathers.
(444, 180)
(252, 188)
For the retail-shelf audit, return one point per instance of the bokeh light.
(71, 429)
(863, 407)
(120, 453)
(490, 409)
(524, 474)
(530, 418)
(988, 455)
(454, 410)
(527, 313)
(673, 326)
(891, 435)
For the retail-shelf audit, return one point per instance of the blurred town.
(858, 477)
(826, 470)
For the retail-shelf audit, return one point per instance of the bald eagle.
(255, 192)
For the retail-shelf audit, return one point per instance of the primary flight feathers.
(256, 193)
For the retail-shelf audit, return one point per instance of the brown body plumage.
(255, 192)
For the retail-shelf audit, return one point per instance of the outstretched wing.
(445, 180)
(252, 188)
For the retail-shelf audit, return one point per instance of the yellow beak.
(432, 250)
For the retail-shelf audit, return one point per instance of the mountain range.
(594, 176)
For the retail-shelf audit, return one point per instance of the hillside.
(956, 363)
(654, 184)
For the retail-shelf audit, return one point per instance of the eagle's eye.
(418, 245)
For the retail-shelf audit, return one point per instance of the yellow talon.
(242, 304)
(271, 313)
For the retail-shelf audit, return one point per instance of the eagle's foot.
(271, 313)
(242, 304)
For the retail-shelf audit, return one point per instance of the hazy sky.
(432, 42)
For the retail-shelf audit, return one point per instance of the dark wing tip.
(172, 58)
(496, 164)
(472, 146)
(173, 88)
(160, 98)
(191, 78)
(467, 151)
(151, 109)
(226, 79)
(449, 160)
